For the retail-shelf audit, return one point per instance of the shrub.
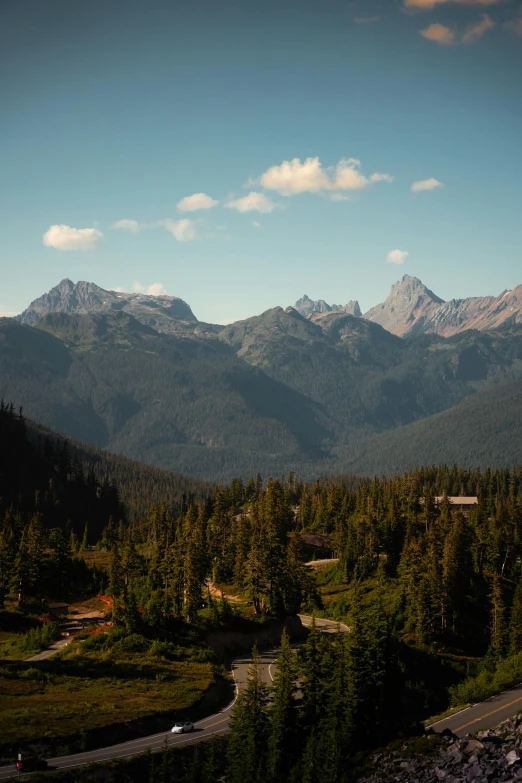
(95, 642)
(506, 674)
(134, 643)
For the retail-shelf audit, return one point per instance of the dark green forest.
(435, 595)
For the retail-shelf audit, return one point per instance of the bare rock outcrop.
(163, 313)
(493, 755)
(411, 308)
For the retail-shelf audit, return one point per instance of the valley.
(275, 392)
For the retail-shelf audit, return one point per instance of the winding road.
(208, 727)
(484, 715)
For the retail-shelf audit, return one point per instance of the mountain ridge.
(411, 309)
(273, 393)
(161, 312)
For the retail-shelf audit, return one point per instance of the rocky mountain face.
(407, 307)
(163, 313)
(411, 308)
(307, 307)
(494, 755)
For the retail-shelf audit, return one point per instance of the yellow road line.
(503, 707)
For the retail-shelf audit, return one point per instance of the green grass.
(97, 682)
(338, 597)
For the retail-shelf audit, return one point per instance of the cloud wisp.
(183, 230)
(425, 184)
(366, 19)
(429, 5)
(445, 36)
(397, 256)
(196, 202)
(292, 177)
(476, 30)
(64, 237)
(439, 33)
(254, 202)
(128, 225)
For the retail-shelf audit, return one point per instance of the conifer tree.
(515, 621)
(498, 618)
(283, 714)
(249, 729)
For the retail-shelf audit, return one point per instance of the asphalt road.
(214, 724)
(485, 715)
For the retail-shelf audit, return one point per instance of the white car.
(182, 728)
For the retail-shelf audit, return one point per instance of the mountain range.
(329, 391)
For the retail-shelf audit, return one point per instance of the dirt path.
(216, 592)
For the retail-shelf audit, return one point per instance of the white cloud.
(294, 176)
(128, 225)
(381, 178)
(439, 33)
(475, 31)
(339, 197)
(425, 184)
(254, 202)
(427, 5)
(256, 224)
(397, 256)
(195, 202)
(156, 289)
(67, 238)
(183, 230)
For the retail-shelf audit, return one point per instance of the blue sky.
(327, 112)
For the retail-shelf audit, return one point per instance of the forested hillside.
(485, 429)
(274, 393)
(427, 591)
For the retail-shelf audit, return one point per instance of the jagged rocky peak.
(408, 306)
(352, 308)
(412, 290)
(307, 306)
(411, 308)
(159, 312)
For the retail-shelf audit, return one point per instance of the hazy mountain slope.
(364, 378)
(186, 404)
(483, 430)
(411, 308)
(272, 393)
